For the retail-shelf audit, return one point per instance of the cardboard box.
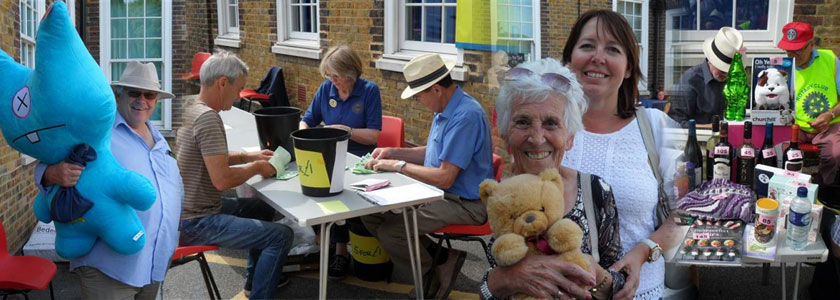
(783, 189)
(764, 173)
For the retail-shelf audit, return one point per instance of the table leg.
(765, 274)
(325, 260)
(414, 251)
(784, 284)
(796, 282)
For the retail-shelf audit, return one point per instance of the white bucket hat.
(423, 71)
(721, 48)
(144, 77)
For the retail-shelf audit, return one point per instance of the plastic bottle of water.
(799, 220)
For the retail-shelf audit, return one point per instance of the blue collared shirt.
(814, 55)
(160, 221)
(362, 109)
(460, 135)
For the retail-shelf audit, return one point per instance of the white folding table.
(286, 197)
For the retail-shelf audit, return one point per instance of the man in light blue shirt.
(457, 158)
(139, 147)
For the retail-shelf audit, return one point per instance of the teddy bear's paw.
(509, 249)
(576, 257)
(565, 235)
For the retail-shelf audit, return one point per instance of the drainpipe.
(82, 26)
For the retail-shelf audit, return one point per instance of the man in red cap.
(818, 117)
(817, 83)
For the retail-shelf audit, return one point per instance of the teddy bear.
(771, 90)
(526, 214)
(63, 105)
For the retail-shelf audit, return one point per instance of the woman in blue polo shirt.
(351, 103)
(346, 101)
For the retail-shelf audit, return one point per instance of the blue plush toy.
(66, 101)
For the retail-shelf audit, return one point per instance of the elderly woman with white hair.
(540, 108)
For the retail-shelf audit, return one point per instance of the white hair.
(222, 64)
(532, 89)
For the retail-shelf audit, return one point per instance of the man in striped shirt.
(207, 168)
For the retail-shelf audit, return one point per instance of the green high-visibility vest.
(816, 90)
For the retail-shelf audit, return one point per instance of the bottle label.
(794, 154)
(721, 150)
(799, 219)
(748, 152)
(769, 152)
(722, 169)
(793, 166)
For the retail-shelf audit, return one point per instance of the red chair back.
(23, 273)
(3, 250)
(197, 61)
(498, 166)
(392, 134)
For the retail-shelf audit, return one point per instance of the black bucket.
(275, 125)
(370, 262)
(321, 154)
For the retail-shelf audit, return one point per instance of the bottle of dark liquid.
(710, 147)
(792, 158)
(693, 157)
(767, 155)
(746, 158)
(724, 154)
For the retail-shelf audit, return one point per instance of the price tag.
(702, 236)
(800, 184)
(721, 150)
(769, 152)
(791, 174)
(795, 154)
(776, 60)
(719, 197)
(748, 152)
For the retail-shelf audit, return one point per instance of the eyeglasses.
(146, 95)
(554, 80)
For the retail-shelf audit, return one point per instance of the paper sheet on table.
(227, 127)
(399, 194)
(251, 149)
(333, 207)
(364, 184)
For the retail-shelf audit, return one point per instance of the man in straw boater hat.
(456, 158)
(138, 147)
(699, 93)
(208, 169)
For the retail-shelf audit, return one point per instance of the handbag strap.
(664, 208)
(589, 208)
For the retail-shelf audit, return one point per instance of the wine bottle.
(767, 155)
(792, 158)
(746, 158)
(710, 147)
(693, 157)
(724, 154)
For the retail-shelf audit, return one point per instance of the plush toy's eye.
(542, 209)
(512, 217)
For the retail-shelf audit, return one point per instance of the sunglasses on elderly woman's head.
(147, 95)
(554, 80)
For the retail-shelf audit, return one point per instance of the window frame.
(165, 123)
(536, 36)
(293, 43)
(227, 36)
(395, 55)
(27, 43)
(644, 47)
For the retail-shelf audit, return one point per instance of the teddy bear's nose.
(530, 218)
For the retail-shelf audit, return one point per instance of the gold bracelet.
(242, 157)
(600, 285)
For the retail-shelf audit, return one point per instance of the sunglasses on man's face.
(554, 80)
(146, 95)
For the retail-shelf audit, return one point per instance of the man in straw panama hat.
(457, 157)
(699, 93)
(138, 146)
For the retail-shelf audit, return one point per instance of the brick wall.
(822, 15)
(556, 20)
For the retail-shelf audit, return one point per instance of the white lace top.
(620, 158)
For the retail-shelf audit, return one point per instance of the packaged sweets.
(712, 242)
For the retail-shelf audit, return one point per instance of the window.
(31, 12)
(228, 15)
(414, 27)
(636, 13)
(691, 22)
(298, 28)
(515, 30)
(138, 31)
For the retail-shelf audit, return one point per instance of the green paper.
(286, 175)
(333, 207)
(280, 160)
(359, 168)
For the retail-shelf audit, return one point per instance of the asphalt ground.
(228, 267)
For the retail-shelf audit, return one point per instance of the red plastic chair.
(197, 61)
(21, 274)
(392, 134)
(185, 254)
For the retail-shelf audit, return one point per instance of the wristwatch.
(400, 165)
(655, 250)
